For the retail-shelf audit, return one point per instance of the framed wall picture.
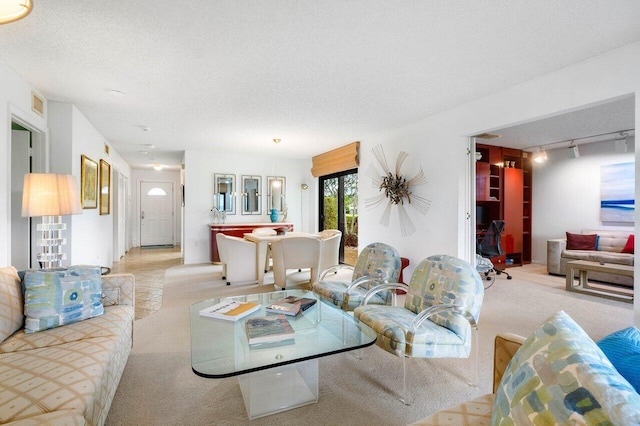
(89, 183)
(105, 187)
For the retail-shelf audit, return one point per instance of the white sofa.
(66, 375)
(608, 250)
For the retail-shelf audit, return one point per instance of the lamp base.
(51, 242)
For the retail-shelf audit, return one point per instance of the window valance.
(337, 160)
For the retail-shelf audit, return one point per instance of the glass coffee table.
(273, 377)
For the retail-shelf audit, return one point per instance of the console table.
(237, 230)
(584, 266)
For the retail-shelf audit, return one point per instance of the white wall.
(439, 144)
(90, 235)
(566, 192)
(141, 175)
(15, 101)
(200, 167)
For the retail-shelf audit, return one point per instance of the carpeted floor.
(159, 388)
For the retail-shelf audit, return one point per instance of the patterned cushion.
(560, 376)
(114, 322)
(11, 304)
(623, 350)
(334, 292)
(55, 298)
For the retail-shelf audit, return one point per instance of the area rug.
(158, 386)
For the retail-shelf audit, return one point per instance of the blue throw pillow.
(623, 350)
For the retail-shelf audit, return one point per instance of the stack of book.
(291, 306)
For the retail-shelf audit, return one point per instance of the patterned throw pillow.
(560, 376)
(55, 298)
(11, 304)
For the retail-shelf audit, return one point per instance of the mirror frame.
(245, 195)
(271, 180)
(232, 195)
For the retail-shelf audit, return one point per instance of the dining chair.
(377, 263)
(439, 318)
(330, 248)
(266, 231)
(238, 259)
(295, 253)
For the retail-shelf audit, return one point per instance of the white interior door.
(20, 165)
(156, 213)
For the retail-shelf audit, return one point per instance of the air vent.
(37, 104)
(486, 136)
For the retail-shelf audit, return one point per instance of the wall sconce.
(304, 186)
(51, 196)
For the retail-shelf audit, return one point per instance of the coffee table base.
(583, 267)
(280, 389)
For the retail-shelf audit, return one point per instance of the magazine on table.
(291, 305)
(230, 310)
(268, 329)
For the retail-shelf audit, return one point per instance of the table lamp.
(51, 196)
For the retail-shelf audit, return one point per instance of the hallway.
(148, 267)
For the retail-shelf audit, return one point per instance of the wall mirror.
(276, 186)
(225, 187)
(251, 192)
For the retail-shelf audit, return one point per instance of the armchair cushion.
(55, 298)
(430, 341)
(334, 292)
(11, 302)
(560, 376)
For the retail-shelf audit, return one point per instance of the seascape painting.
(617, 190)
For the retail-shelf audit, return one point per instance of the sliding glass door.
(339, 210)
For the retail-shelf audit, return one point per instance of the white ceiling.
(233, 75)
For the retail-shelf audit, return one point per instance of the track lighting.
(573, 150)
(540, 156)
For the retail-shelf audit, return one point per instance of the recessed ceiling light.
(144, 152)
(276, 140)
(115, 93)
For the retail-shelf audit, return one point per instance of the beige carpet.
(159, 388)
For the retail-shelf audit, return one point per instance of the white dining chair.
(330, 248)
(238, 259)
(295, 253)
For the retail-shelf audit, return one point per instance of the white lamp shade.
(50, 194)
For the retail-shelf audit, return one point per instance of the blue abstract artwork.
(617, 192)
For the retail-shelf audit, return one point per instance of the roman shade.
(337, 160)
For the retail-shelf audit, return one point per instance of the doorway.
(339, 210)
(27, 148)
(156, 214)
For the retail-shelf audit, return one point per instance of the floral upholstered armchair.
(439, 317)
(377, 263)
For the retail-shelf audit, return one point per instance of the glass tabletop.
(220, 348)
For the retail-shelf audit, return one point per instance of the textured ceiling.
(234, 74)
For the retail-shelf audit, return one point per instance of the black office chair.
(489, 247)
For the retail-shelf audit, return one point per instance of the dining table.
(263, 240)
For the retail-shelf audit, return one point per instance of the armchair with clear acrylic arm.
(447, 292)
(377, 263)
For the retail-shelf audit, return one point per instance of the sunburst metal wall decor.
(395, 188)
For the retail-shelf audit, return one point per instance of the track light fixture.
(540, 156)
(572, 151)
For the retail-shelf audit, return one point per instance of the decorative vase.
(274, 215)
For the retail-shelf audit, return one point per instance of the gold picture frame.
(105, 187)
(89, 183)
